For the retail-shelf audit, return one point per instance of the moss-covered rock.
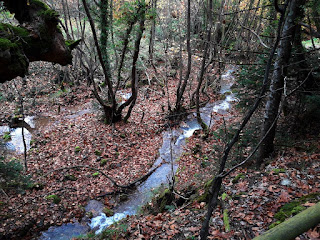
(55, 198)
(6, 44)
(109, 212)
(165, 199)
(37, 38)
(48, 14)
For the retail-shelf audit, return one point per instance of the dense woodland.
(104, 80)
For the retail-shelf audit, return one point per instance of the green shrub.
(11, 175)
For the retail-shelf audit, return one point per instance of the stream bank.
(171, 149)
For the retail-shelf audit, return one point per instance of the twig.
(259, 38)
(4, 193)
(178, 194)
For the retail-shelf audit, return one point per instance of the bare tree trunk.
(277, 82)
(125, 48)
(203, 63)
(152, 31)
(134, 83)
(182, 86)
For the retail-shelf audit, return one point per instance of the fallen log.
(294, 226)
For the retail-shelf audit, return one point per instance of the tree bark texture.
(277, 82)
(293, 227)
(152, 30)
(182, 85)
(104, 34)
(37, 38)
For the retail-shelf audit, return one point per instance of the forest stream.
(172, 148)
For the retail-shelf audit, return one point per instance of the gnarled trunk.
(37, 38)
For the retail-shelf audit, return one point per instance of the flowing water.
(16, 142)
(172, 148)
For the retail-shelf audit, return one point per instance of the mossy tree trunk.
(37, 37)
(294, 226)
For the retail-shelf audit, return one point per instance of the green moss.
(6, 44)
(103, 162)
(48, 14)
(224, 196)
(39, 3)
(205, 196)
(238, 177)
(70, 177)
(164, 200)
(97, 152)
(89, 214)
(293, 208)
(72, 43)
(6, 136)
(109, 212)
(222, 97)
(288, 210)
(117, 231)
(10, 30)
(279, 170)
(274, 224)
(226, 220)
(55, 198)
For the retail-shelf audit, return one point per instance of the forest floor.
(72, 133)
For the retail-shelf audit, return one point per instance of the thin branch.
(257, 35)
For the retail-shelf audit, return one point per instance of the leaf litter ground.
(75, 135)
